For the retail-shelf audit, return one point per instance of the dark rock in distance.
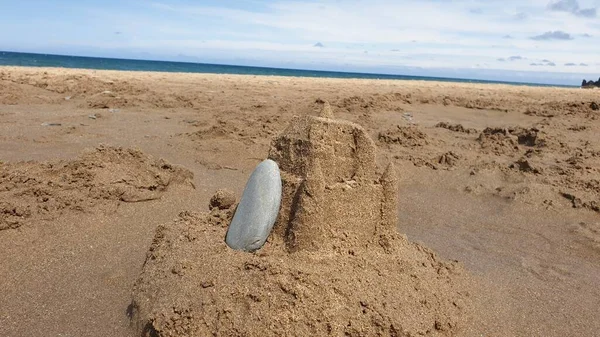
(590, 84)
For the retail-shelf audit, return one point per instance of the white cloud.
(571, 6)
(459, 34)
(444, 30)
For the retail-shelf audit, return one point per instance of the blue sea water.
(83, 62)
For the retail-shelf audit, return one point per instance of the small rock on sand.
(258, 209)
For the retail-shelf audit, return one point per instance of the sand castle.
(331, 187)
(334, 264)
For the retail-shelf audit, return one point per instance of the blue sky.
(536, 41)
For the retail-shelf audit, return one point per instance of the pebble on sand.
(258, 209)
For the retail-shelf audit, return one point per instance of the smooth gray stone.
(258, 209)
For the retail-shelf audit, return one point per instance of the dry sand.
(503, 179)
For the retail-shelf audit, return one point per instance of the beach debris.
(408, 116)
(51, 124)
(258, 209)
(594, 106)
(67, 98)
(114, 110)
(94, 116)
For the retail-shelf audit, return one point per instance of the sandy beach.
(501, 181)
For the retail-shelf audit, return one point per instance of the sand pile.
(334, 264)
(455, 127)
(407, 136)
(507, 141)
(104, 176)
(13, 93)
(9, 93)
(89, 90)
(373, 102)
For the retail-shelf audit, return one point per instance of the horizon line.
(389, 75)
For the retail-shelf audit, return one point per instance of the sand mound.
(73, 84)
(33, 191)
(374, 102)
(12, 93)
(334, 264)
(498, 141)
(408, 136)
(194, 285)
(562, 108)
(90, 90)
(455, 127)
(9, 93)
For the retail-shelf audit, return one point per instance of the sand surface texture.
(99, 170)
(335, 266)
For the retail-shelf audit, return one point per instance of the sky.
(540, 41)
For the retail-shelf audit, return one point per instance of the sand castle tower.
(331, 189)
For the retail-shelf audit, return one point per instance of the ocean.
(84, 62)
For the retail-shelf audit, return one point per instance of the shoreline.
(264, 71)
(394, 82)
